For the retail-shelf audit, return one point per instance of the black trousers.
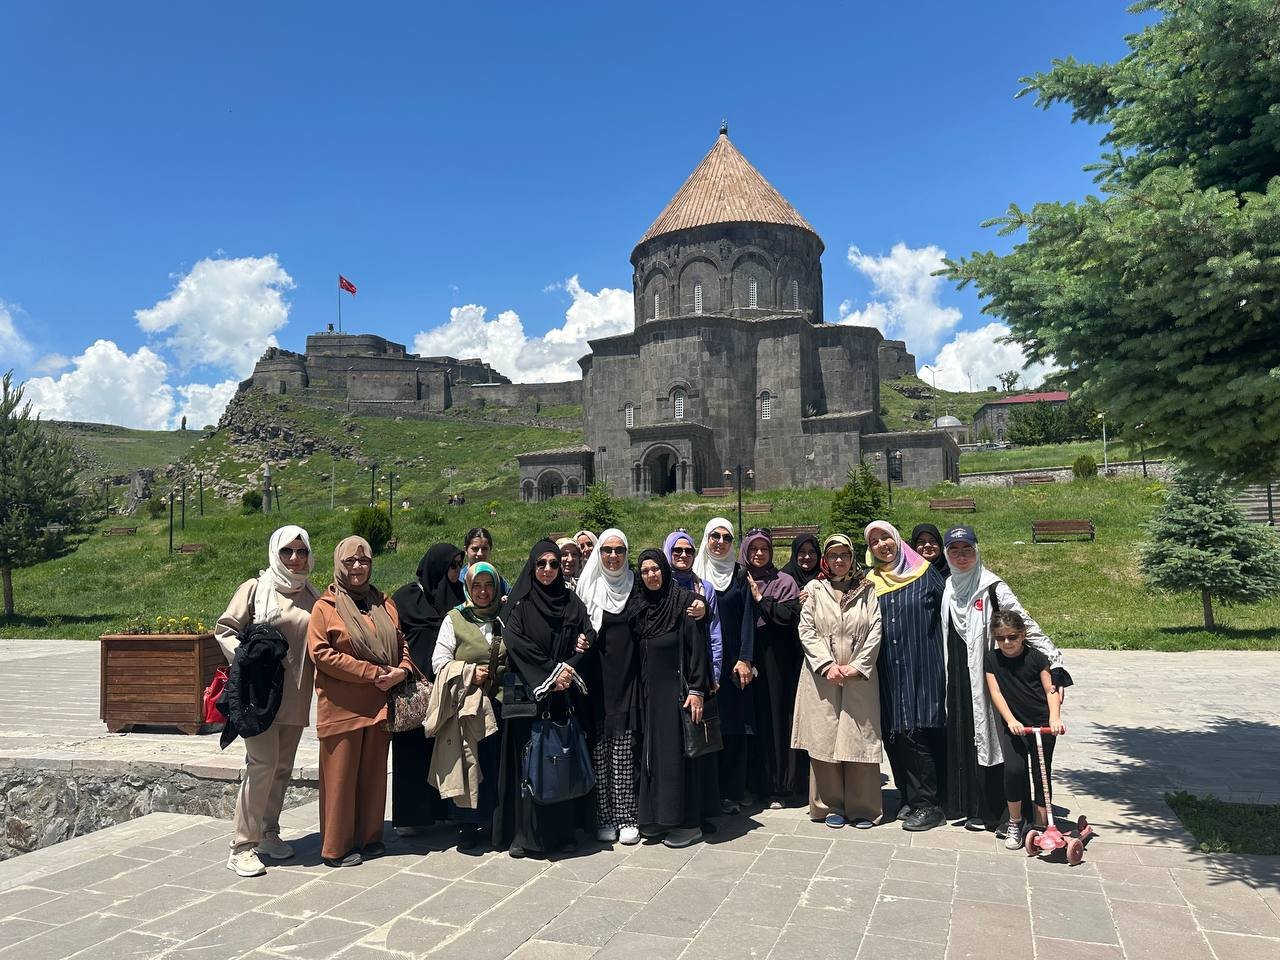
(1021, 752)
(918, 759)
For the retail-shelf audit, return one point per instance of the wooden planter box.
(157, 679)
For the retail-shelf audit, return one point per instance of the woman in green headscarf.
(472, 633)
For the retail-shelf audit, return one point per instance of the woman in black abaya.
(422, 605)
(548, 635)
(676, 794)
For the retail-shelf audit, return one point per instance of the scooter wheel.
(1032, 843)
(1075, 852)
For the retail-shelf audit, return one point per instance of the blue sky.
(185, 181)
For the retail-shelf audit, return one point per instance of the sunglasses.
(1006, 636)
(839, 558)
(760, 532)
(548, 564)
(287, 553)
(683, 551)
(721, 537)
(613, 551)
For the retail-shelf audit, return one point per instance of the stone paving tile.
(1155, 931)
(1047, 948)
(856, 860)
(87, 875)
(589, 921)
(680, 908)
(388, 899)
(447, 864)
(416, 937)
(627, 882)
(640, 946)
(318, 938)
(590, 869)
(720, 940)
(233, 938)
(805, 844)
(461, 902)
(67, 938)
(990, 888)
(764, 901)
(156, 902)
(814, 943)
(712, 864)
(787, 863)
(129, 945)
(309, 900)
(875, 947)
(19, 899)
(981, 930)
(916, 890)
(1233, 946)
(661, 857)
(498, 933)
(543, 950)
(921, 853)
(926, 920)
(199, 917)
(1072, 915)
(508, 872)
(68, 907)
(854, 898)
(924, 872)
(15, 929)
(993, 865)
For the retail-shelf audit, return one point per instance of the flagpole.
(339, 303)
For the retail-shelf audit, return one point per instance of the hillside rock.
(261, 437)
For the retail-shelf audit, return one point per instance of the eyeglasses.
(614, 551)
(721, 537)
(358, 562)
(288, 553)
(548, 564)
(839, 558)
(683, 551)
(1002, 637)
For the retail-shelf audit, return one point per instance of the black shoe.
(468, 837)
(1002, 828)
(975, 824)
(350, 860)
(373, 850)
(516, 853)
(904, 812)
(569, 847)
(926, 818)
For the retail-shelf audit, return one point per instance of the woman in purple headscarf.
(778, 772)
(680, 551)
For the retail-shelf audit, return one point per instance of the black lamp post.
(391, 498)
(200, 480)
(891, 459)
(171, 520)
(373, 483)
(736, 475)
(184, 503)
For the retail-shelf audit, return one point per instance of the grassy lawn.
(1221, 827)
(1084, 594)
(898, 409)
(108, 450)
(1049, 455)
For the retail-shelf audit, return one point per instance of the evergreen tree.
(599, 512)
(40, 504)
(857, 503)
(1200, 541)
(1159, 298)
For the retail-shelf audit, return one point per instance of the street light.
(266, 488)
(736, 474)
(200, 480)
(171, 520)
(1142, 447)
(373, 480)
(892, 459)
(391, 498)
(184, 502)
(1105, 465)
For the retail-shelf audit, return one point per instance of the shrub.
(599, 512)
(372, 524)
(251, 501)
(857, 503)
(1085, 466)
(157, 506)
(428, 516)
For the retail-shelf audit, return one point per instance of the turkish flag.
(347, 285)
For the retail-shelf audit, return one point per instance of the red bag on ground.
(211, 693)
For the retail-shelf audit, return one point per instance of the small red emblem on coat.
(977, 604)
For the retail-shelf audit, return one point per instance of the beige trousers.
(849, 789)
(268, 764)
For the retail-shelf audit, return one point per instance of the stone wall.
(1156, 470)
(895, 360)
(480, 395)
(41, 807)
(928, 456)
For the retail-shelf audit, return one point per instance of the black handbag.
(556, 765)
(517, 699)
(702, 738)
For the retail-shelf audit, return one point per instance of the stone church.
(730, 363)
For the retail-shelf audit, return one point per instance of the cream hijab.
(278, 579)
(374, 639)
(707, 566)
(600, 589)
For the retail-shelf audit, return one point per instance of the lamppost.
(373, 481)
(266, 488)
(171, 520)
(891, 459)
(736, 475)
(391, 498)
(1105, 465)
(1142, 446)
(200, 480)
(184, 502)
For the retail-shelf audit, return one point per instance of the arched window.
(679, 404)
(795, 294)
(572, 486)
(657, 305)
(630, 414)
(766, 406)
(753, 293)
(697, 301)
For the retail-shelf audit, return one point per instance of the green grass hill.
(104, 450)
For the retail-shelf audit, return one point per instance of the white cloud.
(976, 354)
(107, 385)
(12, 345)
(51, 363)
(223, 313)
(503, 342)
(203, 403)
(905, 302)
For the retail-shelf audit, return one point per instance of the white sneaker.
(1013, 839)
(629, 835)
(246, 863)
(275, 848)
(607, 834)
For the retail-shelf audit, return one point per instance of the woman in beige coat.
(837, 719)
(281, 595)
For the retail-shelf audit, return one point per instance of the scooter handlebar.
(1041, 730)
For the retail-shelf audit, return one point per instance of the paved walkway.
(771, 885)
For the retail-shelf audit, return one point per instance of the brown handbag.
(407, 705)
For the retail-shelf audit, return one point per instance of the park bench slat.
(1054, 529)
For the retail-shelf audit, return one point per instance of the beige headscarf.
(377, 645)
(852, 585)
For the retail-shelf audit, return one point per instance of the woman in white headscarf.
(283, 596)
(735, 608)
(605, 586)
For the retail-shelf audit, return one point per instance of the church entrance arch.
(661, 469)
(550, 484)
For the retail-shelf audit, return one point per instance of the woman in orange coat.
(360, 654)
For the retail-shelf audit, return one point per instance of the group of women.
(811, 671)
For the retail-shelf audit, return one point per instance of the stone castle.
(730, 364)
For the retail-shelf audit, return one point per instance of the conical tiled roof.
(725, 188)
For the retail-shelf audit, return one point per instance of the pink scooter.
(1051, 840)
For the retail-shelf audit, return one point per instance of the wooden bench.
(1056, 529)
(758, 508)
(959, 503)
(192, 547)
(716, 491)
(120, 532)
(1031, 478)
(393, 545)
(790, 533)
